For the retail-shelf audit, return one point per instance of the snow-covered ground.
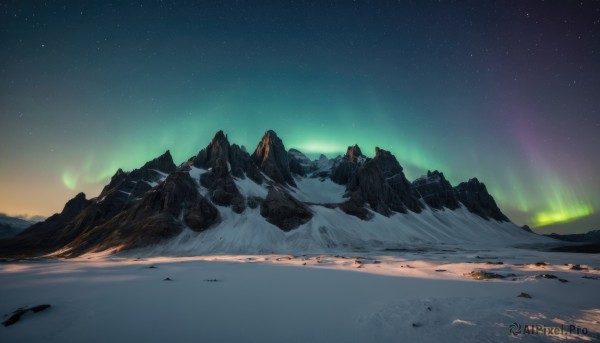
(410, 295)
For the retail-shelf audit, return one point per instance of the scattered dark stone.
(524, 295)
(416, 325)
(254, 202)
(546, 276)
(376, 262)
(540, 264)
(496, 263)
(578, 267)
(39, 308)
(590, 277)
(440, 270)
(428, 308)
(409, 266)
(17, 314)
(486, 257)
(304, 263)
(563, 280)
(483, 275)
(152, 267)
(168, 279)
(212, 280)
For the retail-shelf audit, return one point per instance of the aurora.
(442, 86)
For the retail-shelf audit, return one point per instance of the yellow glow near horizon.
(562, 216)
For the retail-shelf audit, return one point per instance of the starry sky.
(507, 91)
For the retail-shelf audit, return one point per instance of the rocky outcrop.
(345, 168)
(163, 163)
(218, 180)
(435, 190)
(474, 195)
(46, 236)
(80, 215)
(242, 164)
(527, 228)
(272, 158)
(283, 210)
(381, 184)
(159, 215)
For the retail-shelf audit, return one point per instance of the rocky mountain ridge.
(159, 200)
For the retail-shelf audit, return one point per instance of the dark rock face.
(154, 218)
(393, 173)
(436, 191)
(215, 155)
(218, 180)
(474, 195)
(345, 168)
(283, 210)
(381, 184)
(272, 158)
(223, 191)
(242, 163)
(354, 154)
(44, 237)
(81, 216)
(163, 163)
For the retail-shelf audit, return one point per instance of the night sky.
(508, 92)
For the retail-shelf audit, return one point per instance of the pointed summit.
(272, 158)
(387, 162)
(354, 154)
(474, 195)
(435, 190)
(215, 155)
(163, 163)
(346, 167)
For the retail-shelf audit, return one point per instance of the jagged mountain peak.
(272, 158)
(215, 155)
(354, 153)
(435, 191)
(163, 163)
(387, 162)
(474, 195)
(159, 201)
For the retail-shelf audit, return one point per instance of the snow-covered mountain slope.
(227, 200)
(332, 230)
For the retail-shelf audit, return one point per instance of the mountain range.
(225, 199)
(10, 226)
